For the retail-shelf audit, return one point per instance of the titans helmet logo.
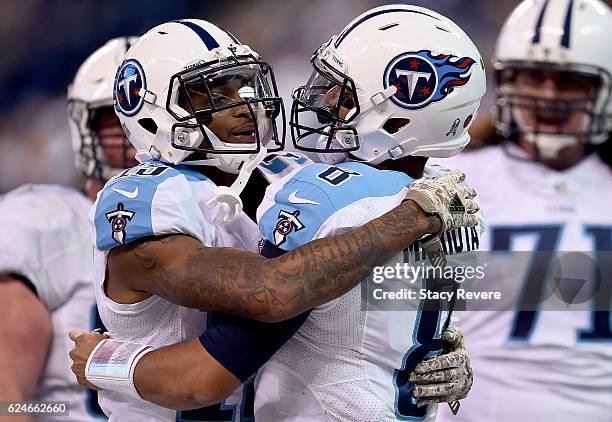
(129, 82)
(422, 78)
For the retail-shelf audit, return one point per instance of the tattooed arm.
(182, 270)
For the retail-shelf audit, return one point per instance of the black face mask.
(324, 95)
(212, 87)
(546, 115)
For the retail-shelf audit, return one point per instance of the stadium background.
(42, 43)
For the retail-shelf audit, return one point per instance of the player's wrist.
(434, 224)
(427, 223)
(112, 363)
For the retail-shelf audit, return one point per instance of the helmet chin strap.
(549, 145)
(229, 197)
(207, 162)
(330, 158)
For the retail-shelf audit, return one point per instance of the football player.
(199, 107)
(545, 189)
(397, 85)
(236, 344)
(46, 284)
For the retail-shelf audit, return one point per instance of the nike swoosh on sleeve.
(127, 194)
(294, 199)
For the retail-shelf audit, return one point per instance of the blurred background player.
(46, 263)
(100, 145)
(545, 189)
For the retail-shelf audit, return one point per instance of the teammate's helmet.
(174, 80)
(566, 39)
(91, 91)
(409, 80)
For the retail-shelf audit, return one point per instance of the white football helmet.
(175, 79)
(92, 90)
(409, 79)
(570, 39)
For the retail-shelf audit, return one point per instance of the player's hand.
(445, 378)
(84, 343)
(443, 196)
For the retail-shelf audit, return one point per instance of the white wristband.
(111, 365)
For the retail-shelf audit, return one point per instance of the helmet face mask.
(89, 158)
(332, 96)
(101, 152)
(98, 154)
(573, 105)
(116, 149)
(201, 97)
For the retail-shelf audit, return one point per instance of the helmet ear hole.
(394, 125)
(148, 124)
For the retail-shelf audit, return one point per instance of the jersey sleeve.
(296, 212)
(48, 241)
(321, 201)
(15, 258)
(131, 208)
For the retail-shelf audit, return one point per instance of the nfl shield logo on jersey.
(118, 220)
(285, 225)
(422, 78)
(129, 83)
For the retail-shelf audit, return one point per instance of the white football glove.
(444, 196)
(446, 378)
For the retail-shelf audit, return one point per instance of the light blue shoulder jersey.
(150, 199)
(319, 200)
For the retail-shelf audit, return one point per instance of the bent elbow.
(274, 299)
(272, 308)
(189, 401)
(204, 397)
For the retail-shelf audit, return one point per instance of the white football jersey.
(48, 241)
(154, 199)
(547, 365)
(347, 362)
